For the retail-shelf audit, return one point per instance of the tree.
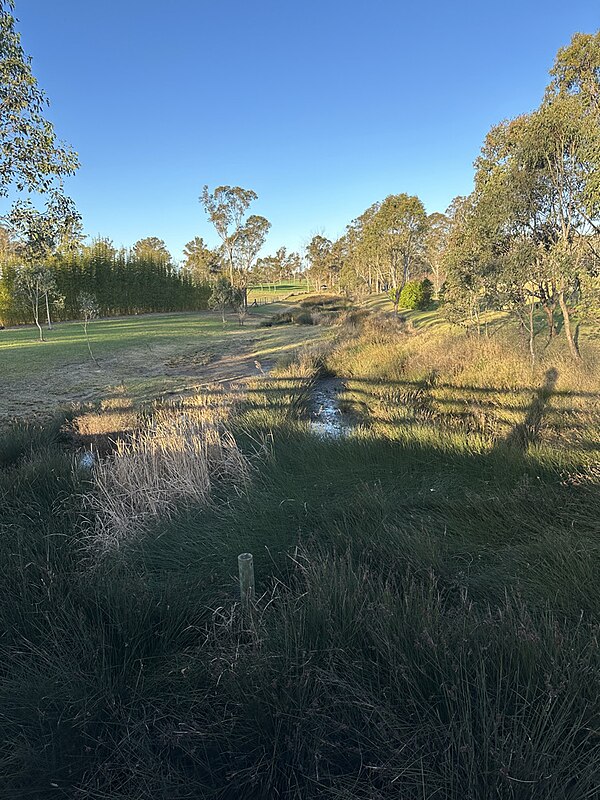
(88, 306)
(576, 71)
(31, 159)
(435, 243)
(32, 284)
(396, 231)
(226, 208)
(470, 264)
(36, 234)
(152, 249)
(249, 241)
(222, 295)
(537, 190)
(318, 254)
(201, 263)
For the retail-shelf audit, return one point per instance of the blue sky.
(322, 107)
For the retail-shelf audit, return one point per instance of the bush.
(303, 318)
(416, 294)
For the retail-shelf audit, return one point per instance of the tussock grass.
(176, 458)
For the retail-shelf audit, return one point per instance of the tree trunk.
(549, 311)
(36, 317)
(48, 313)
(567, 326)
(531, 334)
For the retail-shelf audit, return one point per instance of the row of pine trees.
(120, 282)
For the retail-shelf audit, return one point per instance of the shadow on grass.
(426, 626)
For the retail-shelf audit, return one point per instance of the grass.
(138, 357)
(277, 292)
(428, 614)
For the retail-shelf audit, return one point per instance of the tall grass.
(428, 616)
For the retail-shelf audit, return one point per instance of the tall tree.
(249, 242)
(153, 249)
(576, 70)
(201, 263)
(226, 208)
(397, 232)
(318, 254)
(436, 242)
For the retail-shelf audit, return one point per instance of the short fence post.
(246, 570)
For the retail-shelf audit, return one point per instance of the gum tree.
(226, 208)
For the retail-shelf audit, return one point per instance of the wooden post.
(246, 570)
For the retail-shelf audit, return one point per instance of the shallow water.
(326, 417)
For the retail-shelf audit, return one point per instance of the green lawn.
(273, 292)
(140, 356)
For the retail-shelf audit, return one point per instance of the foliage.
(201, 263)
(152, 249)
(414, 295)
(121, 282)
(31, 159)
(241, 237)
(222, 295)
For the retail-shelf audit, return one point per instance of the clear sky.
(321, 106)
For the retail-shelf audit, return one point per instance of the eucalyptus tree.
(222, 296)
(318, 255)
(435, 244)
(89, 310)
(31, 158)
(537, 190)
(396, 231)
(576, 71)
(36, 235)
(470, 265)
(33, 284)
(248, 243)
(226, 208)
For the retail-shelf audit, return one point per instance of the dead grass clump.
(176, 459)
(99, 427)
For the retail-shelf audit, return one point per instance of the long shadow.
(527, 432)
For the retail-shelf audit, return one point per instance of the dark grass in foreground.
(427, 628)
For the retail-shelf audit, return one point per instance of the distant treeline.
(120, 282)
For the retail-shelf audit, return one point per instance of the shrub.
(416, 294)
(303, 318)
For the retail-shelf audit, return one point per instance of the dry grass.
(473, 385)
(176, 458)
(99, 426)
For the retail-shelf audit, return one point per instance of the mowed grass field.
(140, 357)
(269, 293)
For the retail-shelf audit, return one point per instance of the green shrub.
(416, 294)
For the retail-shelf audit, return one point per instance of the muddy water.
(326, 417)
